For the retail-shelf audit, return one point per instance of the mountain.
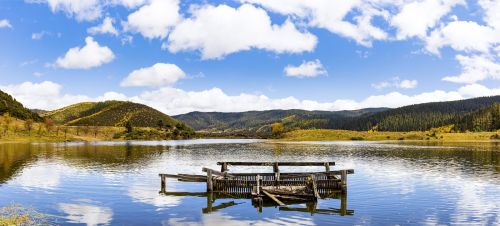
(421, 117)
(110, 113)
(260, 121)
(14, 108)
(476, 114)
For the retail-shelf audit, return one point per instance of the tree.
(7, 121)
(48, 123)
(95, 129)
(129, 127)
(277, 128)
(28, 124)
(160, 124)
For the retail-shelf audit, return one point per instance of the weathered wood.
(273, 198)
(319, 211)
(163, 183)
(218, 173)
(327, 167)
(272, 163)
(314, 187)
(343, 179)
(210, 185)
(224, 167)
(258, 184)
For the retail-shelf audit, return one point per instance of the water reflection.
(117, 183)
(87, 213)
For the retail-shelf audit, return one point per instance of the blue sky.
(181, 56)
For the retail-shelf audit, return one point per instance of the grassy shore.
(344, 135)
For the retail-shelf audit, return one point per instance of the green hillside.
(110, 113)
(10, 105)
(260, 121)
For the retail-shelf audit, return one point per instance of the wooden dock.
(275, 186)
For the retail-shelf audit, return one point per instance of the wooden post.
(163, 183)
(327, 167)
(210, 200)
(343, 203)
(343, 180)
(210, 185)
(258, 183)
(223, 168)
(276, 173)
(314, 186)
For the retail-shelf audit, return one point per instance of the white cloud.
(415, 18)
(37, 74)
(82, 10)
(217, 31)
(48, 95)
(160, 74)
(155, 19)
(306, 69)
(476, 68)
(39, 35)
(89, 56)
(331, 15)
(463, 36)
(105, 28)
(86, 213)
(408, 84)
(397, 83)
(5, 24)
(127, 39)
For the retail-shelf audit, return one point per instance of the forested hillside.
(421, 117)
(9, 105)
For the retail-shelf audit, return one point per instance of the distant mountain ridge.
(476, 114)
(110, 113)
(16, 109)
(260, 121)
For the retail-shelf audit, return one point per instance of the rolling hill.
(14, 108)
(110, 113)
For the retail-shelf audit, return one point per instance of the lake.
(117, 182)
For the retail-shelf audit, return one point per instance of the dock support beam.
(343, 180)
(163, 183)
(210, 185)
(223, 168)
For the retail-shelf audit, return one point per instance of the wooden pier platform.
(275, 186)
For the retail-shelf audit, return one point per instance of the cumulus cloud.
(47, 95)
(155, 19)
(82, 10)
(5, 24)
(160, 74)
(105, 28)
(476, 68)
(331, 15)
(89, 56)
(220, 30)
(396, 82)
(415, 18)
(306, 69)
(463, 36)
(85, 10)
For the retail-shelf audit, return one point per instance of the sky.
(241, 55)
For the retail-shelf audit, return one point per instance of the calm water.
(118, 183)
